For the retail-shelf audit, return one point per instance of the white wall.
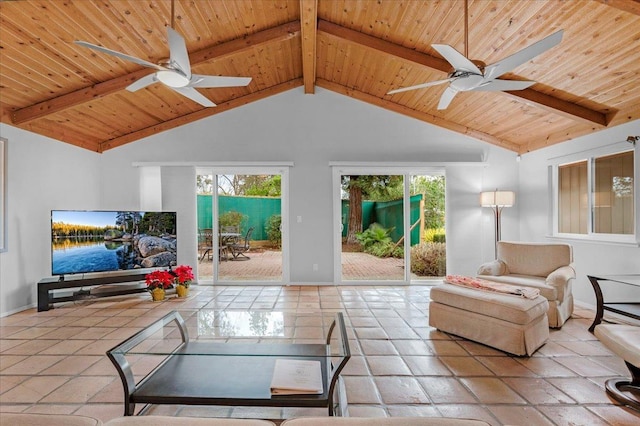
(43, 175)
(591, 258)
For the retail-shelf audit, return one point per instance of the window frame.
(590, 157)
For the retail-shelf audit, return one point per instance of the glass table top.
(214, 323)
(630, 279)
(237, 333)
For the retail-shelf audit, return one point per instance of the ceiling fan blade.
(178, 54)
(447, 97)
(524, 55)
(142, 83)
(194, 95)
(207, 81)
(421, 86)
(456, 59)
(119, 55)
(501, 85)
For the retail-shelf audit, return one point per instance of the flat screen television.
(85, 241)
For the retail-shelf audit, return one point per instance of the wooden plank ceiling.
(358, 48)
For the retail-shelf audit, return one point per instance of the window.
(596, 195)
(572, 198)
(613, 189)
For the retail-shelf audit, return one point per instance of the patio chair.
(240, 248)
(205, 243)
(229, 234)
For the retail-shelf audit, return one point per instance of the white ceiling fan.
(176, 72)
(467, 76)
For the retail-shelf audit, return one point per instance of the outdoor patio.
(266, 265)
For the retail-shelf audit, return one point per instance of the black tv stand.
(115, 285)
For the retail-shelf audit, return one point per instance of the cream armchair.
(547, 267)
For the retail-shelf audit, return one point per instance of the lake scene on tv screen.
(100, 241)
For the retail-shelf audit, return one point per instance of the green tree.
(369, 187)
(433, 188)
(261, 185)
(128, 221)
(264, 185)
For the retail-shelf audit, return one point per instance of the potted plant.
(183, 276)
(157, 282)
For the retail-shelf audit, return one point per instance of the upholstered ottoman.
(510, 323)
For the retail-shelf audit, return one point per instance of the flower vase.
(157, 294)
(182, 291)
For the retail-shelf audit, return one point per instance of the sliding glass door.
(391, 225)
(240, 225)
(372, 212)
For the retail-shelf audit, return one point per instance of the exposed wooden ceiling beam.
(564, 108)
(203, 113)
(308, 33)
(53, 130)
(630, 114)
(631, 6)
(5, 113)
(61, 132)
(432, 119)
(78, 97)
(531, 96)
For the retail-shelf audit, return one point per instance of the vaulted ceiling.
(358, 48)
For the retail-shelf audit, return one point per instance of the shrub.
(434, 235)
(374, 235)
(272, 228)
(385, 249)
(232, 218)
(429, 259)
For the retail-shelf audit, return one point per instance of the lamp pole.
(497, 200)
(497, 210)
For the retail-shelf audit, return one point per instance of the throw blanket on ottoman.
(480, 284)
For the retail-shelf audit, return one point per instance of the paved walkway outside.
(267, 266)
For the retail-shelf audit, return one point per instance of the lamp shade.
(497, 198)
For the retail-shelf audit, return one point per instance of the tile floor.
(54, 361)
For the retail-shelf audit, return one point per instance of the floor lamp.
(497, 200)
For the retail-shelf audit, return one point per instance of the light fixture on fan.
(497, 200)
(172, 78)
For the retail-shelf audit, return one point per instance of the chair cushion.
(513, 309)
(621, 339)
(537, 259)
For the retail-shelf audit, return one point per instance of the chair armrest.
(561, 276)
(495, 268)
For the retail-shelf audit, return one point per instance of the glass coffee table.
(214, 370)
(629, 309)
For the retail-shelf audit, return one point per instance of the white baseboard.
(15, 311)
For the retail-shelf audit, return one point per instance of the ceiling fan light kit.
(172, 78)
(466, 76)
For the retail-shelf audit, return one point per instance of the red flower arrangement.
(183, 275)
(159, 279)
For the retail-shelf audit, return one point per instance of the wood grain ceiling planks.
(357, 48)
(218, 52)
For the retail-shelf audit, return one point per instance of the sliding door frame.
(373, 169)
(253, 169)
